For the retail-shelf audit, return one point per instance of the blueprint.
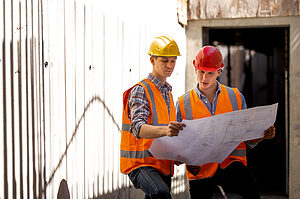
(212, 139)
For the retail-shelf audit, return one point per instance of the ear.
(152, 60)
(219, 72)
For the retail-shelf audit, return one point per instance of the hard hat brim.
(158, 55)
(208, 69)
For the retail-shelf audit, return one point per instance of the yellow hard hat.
(164, 46)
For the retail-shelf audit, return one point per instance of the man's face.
(163, 66)
(207, 79)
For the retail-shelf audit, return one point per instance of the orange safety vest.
(134, 152)
(191, 107)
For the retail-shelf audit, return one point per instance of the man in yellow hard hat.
(211, 98)
(149, 113)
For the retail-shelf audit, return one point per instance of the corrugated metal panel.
(65, 65)
(22, 108)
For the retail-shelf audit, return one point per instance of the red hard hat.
(208, 58)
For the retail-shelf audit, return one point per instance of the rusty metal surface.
(212, 9)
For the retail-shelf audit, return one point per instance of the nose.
(204, 76)
(169, 64)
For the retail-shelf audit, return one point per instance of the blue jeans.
(153, 183)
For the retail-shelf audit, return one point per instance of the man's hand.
(174, 128)
(268, 134)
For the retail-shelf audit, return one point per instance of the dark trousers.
(152, 182)
(235, 178)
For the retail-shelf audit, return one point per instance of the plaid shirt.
(138, 103)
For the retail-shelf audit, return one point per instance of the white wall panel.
(7, 97)
(2, 137)
(2, 113)
(23, 101)
(65, 65)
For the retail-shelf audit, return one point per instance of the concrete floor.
(263, 196)
(132, 193)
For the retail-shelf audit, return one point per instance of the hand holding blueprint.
(212, 139)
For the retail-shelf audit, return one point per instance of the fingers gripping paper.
(212, 139)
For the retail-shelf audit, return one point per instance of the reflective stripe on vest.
(238, 152)
(229, 100)
(188, 107)
(134, 152)
(125, 127)
(154, 111)
(233, 99)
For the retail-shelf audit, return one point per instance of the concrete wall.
(209, 9)
(194, 42)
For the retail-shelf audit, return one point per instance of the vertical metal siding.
(65, 65)
(2, 113)
(22, 160)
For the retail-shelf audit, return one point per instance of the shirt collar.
(202, 96)
(165, 88)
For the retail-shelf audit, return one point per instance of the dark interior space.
(256, 62)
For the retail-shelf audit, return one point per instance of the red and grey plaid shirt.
(138, 103)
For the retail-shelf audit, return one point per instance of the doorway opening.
(256, 62)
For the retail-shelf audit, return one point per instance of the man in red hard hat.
(211, 98)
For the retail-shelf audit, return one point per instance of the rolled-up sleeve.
(139, 109)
